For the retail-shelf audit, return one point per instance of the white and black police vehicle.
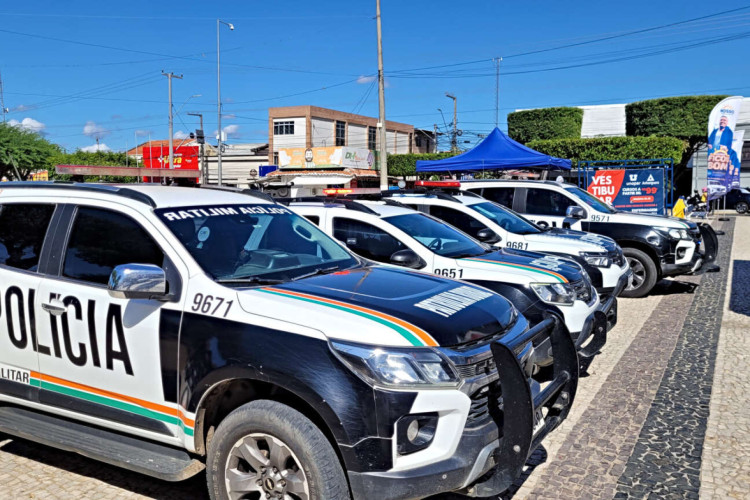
(391, 233)
(655, 246)
(600, 256)
(171, 330)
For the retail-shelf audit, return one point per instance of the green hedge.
(545, 123)
(406, 164)
(611, 148)
(682, 117)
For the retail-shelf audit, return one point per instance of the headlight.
(676, 234)
(596, 259)
(561, 294)
(397, 367)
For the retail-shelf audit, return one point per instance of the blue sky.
(81, 69)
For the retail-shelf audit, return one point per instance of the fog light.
(415, 432)
(681, 252)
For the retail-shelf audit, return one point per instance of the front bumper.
(496, 448)
(596, 327)
(622, 282)
(701, 261)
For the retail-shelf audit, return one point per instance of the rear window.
(502, 195)
(23, 227)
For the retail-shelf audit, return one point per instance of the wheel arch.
(645, 248)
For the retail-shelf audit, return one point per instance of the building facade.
(300, 128)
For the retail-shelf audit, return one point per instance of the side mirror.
(137, 281)
(488, 236)
(575, 213)
(407, 258)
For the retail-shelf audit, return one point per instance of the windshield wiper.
(325, 270)
(253, 280)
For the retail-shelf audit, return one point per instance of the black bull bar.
(710, 242)
(518, 439)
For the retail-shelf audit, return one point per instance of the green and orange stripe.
(413, 334)
(166, 414)
(546, 272)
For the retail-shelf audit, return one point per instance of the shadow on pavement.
(739, 300)
(673, 287)
(91, 471)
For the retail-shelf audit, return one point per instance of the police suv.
(656, 246)
(161, 329)
(495, 224)
(391, 233)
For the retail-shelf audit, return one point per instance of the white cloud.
(28, 124)
(231, 131)
(142, 133)
(366, 79)
(96, 147)
(91, 129)
(20, 107)
(181, 135)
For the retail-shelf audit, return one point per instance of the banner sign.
(185, 157)
(325, 157)
(723, 158)
(631, 190)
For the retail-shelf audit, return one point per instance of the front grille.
(485, 402)
(483, 367)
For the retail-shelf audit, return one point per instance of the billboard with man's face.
(723, 159)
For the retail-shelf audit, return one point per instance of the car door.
(23, 227)
(111, 360)
(547, 207)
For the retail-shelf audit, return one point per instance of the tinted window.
(505, 218)
(438, 237)
(22, 231)
(503, 196)
(365, 239)
(591, 200)
(314, 219)
(456, 218)
(547, 202)
(101, 240)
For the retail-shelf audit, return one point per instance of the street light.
(219, 22)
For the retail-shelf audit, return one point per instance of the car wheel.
(644, 275)
(741, 207)
(268, 450)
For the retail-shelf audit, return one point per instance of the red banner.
(185, 158)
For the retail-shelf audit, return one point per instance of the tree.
(23, 151)
(545, 123)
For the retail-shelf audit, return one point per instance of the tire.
(259, 430)
(644, 273)
(741, 207)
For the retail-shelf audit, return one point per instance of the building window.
(276, 158)
(340, 133)
(283, 128)
(371, 138)
(418, 141)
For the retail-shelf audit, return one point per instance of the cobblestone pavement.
(641, 412)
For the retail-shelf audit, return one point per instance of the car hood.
(383, 306)
(534, 267)
(652, 220)
(605, 243)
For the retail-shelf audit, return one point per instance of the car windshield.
(505, 218)
(591, 200)
(438, 237)
(254, 242)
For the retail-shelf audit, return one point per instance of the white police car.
(656, 246)
(600, 256)
(159, 328)
(391, 233)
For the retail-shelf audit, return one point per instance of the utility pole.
(2, 101)
(435, 137)
(497, 61)
(219, 22)
(454, 136)
(383, 149)
(171, 124)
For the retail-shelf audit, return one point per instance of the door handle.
(55, 307)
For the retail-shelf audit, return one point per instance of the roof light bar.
(444, 184)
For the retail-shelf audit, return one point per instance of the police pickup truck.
(656, 246)
(391, 233)
(171, 330)
(495, 224)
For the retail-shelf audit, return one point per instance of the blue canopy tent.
(496, 152)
